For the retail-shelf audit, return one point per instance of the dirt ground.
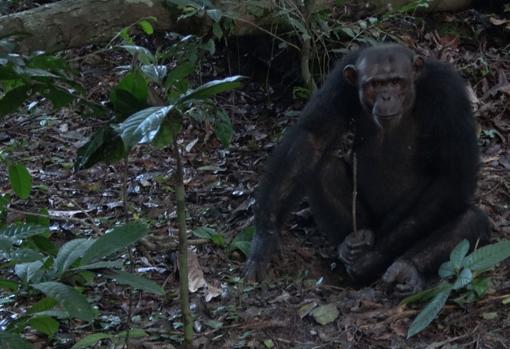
(220, 184)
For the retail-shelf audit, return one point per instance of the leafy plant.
(150, 103)
(59, 273)
(462, 274)
(24, 77)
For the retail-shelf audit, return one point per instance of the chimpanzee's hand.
(356, 245)
(405, 276)
(263, 249)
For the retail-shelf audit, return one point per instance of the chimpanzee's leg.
(425, 257)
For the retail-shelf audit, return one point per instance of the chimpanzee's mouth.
(388, 117)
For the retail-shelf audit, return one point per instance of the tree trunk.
(75, 23)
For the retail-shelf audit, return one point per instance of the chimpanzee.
(417, 165)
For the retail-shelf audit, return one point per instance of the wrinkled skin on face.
(385, 82)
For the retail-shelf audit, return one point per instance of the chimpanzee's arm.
(291, 166)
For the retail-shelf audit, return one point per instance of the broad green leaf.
(212, 88)
(458, 253)
(204, 232)
(91, 340)
(118, 239)
(44, 324)
(57, 96)
(480, 285)
(426, 295)
(43, 305)
(44, 244)
(133, 333)
(146, 27)
(465, 278)
(69, 299)
(8, 284)
(100, 265)
(429, 313)
(446, 270)
(214, 14)
(130, 94)
(16, 232)
(13, 341)
(218, 240)
(5, 245)
(142, 126)
(223, 128)
(69, 253)
(487, 256)
(20, 179)
(141, 53)
(242, 241)
(29, 272)
(168, 130)
(178, 73)
(14, 99)
(137, 282)
(105, 145)
(155, 73)
(25, 255)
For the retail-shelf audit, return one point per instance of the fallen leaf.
(325, 314)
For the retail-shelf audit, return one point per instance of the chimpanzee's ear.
(418, 63)
(351, 74)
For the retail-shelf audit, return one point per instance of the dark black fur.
(415, 191)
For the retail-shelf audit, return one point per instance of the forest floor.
(220, 184)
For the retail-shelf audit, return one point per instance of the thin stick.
(354, 193)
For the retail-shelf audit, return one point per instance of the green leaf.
(13, 341)
(242, 241)
(465, 278)
(20, 179)
(146, 27)
(214, 14)
(100, 265)
(43, 305)
(15, 232)
(429, 313)
(8, 285)
(56, 95)
(480, 285)
(69, 253)
(130, 94)
(155, 73)
(138, 282)
(29, 272)
(218, 239)
(105, 145)
(178, 73)
(212, 88)
(446, 270)
(69, 299)
(24, 255)
(168, 130)
(44, 324)
(118, 239)
(141, 53)
(426, 295)
(458, 253)
(14, 99)
(488, 256)
(204, 232)
(91, 340)
(223, 128)
(142, 126)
